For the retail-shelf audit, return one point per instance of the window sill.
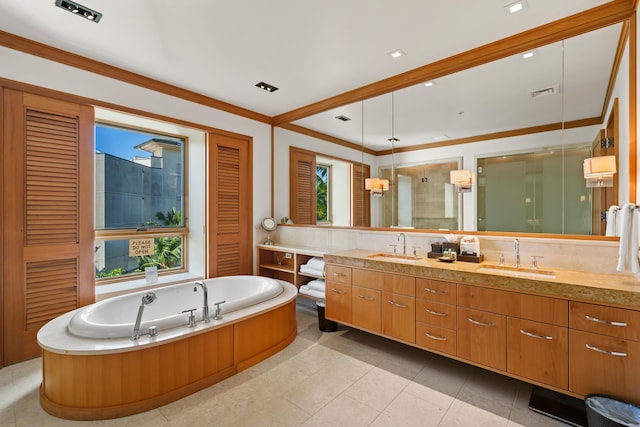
(130, 286)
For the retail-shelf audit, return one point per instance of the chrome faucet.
(205, 307)
(146, 300)
(404, 243)
(516, 247)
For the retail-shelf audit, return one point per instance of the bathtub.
(93, 370)
(115, 317)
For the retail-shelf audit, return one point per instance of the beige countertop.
(622, 290)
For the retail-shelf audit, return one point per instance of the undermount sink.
(395, 257)
(506, 270)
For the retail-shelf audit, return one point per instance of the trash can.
(324, 324)
(605, 411)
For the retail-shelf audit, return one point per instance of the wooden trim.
(633, 109)
(51, 53)
(273, 162)
(325, 137)
(622, 42)
(2, 150)
(589, 20)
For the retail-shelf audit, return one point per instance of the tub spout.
(205, 306)
(146, 300)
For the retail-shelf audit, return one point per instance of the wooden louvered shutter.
(47, 149)
(302, 187)
(230, 206)
(361, 198)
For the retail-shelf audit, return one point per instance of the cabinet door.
(399, 316)
(482, 337)
(538, 351)
(604, 365)
(365, 306)
(338, 302)
(435, 338)
(338, 274)
(433, 313)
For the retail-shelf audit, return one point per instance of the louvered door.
(361, 199)
(302, 178)
(47, 225)
(230, 206)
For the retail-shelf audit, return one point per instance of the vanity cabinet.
(436, 321)
(338, 293)
(604, 351)
(482, 337)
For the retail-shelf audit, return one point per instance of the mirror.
(558, 98)
(268, 224)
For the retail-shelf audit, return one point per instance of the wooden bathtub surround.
(104, 386)
(571, 334)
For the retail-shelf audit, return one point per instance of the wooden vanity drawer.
(435, 338)
(437, 314)
(436, 290)
(615, 322)
(367, 278)
(338, 274)
(398, 284)
(524, 306)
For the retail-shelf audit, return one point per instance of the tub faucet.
(205, 307)
(516, 247)
(404, 243)
(146, 300)
(217, 315)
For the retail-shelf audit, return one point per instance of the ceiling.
(311, 51)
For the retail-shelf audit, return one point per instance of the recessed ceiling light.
(430, 83)
(343, 118)
(79, 10)
(397, 53)
(515, 7)
(266, 86)
(528, 55)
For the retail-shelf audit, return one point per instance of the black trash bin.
(605, 411)
(324, 324)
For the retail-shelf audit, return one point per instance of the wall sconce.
(599, 171)
(462, 179)
(376, 186)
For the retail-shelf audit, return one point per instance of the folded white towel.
(628, 254)
(612, 221)
(304, 289)
(316, 262)
(308, 270)
(317, 285)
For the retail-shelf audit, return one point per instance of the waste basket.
(324, 324)
(605, 411)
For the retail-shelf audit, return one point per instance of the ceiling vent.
(553, 90)
(78, 9)
(343, 118)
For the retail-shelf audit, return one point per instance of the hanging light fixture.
(599, 171)
(376, 186)
(462, 179)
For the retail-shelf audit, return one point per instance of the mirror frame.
(583, 22)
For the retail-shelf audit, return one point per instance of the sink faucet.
(516, 247)
(404, 243)
(205, 306)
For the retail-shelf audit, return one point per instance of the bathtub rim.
(56, 338)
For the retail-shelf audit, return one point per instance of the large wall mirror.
(522, 124)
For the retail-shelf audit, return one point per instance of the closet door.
(48, 211)
(302, 195)
(230, 205)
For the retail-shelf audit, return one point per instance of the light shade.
(462, 179)
(599, 171)
(377, 186)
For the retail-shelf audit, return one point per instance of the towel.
(304, 289)
(316, 262)
(316, 285)
(612, 221)
(628, 254)
(309, 270)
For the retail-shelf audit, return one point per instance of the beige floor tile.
(408, 410)
(377, 388)
(463, 414)
(343, 410)
(277, 412)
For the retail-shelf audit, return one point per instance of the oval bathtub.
(92, 369)
(115, 317)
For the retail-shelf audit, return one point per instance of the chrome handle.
(433, 337)
(435, 313)
(339, 274)
(611, 353)
(532, 335)
(398, 304)
(605, 322)
(339, 291)
(367, 297)
(475, 322)
(435, 291)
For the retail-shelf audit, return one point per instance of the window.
(140, 204)
(323, 193)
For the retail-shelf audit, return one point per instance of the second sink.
(506, 270)
(395, 257)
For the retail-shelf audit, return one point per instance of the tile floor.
(346, 377)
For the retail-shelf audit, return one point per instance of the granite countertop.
(621, 290)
